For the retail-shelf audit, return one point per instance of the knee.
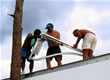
(48, 60)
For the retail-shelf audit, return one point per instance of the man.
(26, 50)
(53, 47)
(89, 42)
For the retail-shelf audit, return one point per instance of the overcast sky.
(66, 15)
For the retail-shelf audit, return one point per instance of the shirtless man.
(26, 50)
(89, 42)
(53, 47)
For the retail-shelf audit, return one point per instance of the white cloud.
(105, 14)
(84, 17)
(6, 48)
(5, 58)
(5, 68)
(102, 47)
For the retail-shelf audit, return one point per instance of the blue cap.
(49, 25)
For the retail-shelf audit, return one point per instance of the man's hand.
(75, 46)
(33, 55)
(61, 44)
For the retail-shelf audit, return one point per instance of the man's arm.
(79, 35)
(58, 35)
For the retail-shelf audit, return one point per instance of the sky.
(66, 15)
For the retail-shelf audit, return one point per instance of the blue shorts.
(25, 53)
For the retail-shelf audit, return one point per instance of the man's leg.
(23, 64)
(31, 65)
(59, 61)
(48, 64)
(85, 54)
(91, 53)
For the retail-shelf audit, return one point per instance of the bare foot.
(52, 68)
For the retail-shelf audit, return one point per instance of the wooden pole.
(15, 73)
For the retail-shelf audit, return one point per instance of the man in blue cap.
(53, 47)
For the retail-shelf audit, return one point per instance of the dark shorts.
(25, 53)
(54, 50)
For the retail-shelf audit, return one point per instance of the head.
(49, 26)
(37, 32)
(75, 32)
(29, 34)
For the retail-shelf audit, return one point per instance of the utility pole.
(15, 73)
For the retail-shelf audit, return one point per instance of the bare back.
(84, 32)
(27, 42)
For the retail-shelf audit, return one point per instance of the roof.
(69, 66)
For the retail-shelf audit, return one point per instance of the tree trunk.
(15, 73)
